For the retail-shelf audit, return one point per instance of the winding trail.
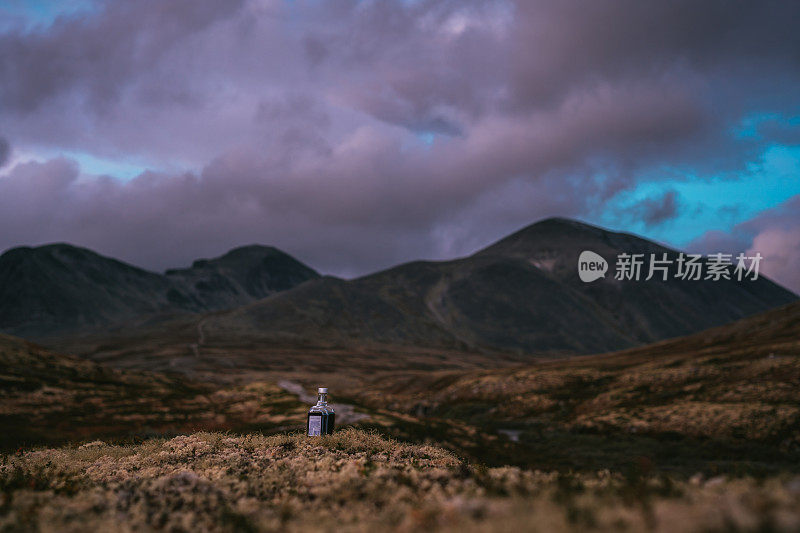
(434, 300)
(201, 338)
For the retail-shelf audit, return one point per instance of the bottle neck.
(322, 398)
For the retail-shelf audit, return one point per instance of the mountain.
(63, 289)
(643, 311)
(241, 275)
(521, 294)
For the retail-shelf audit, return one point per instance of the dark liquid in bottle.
(323, 426)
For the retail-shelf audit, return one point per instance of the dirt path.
(201, 338)
(434, 300)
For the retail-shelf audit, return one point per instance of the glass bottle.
(321, 417)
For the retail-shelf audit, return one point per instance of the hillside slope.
(49, 398)
(61, 289)
(726, 398)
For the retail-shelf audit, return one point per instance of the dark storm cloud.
(5, 151)
(780, 132)
(654, 211)
(562, 44)
(357, 134)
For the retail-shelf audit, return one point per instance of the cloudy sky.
(358, 134)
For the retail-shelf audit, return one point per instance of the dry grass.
(49, 398)
(723, 401)
(356, 481)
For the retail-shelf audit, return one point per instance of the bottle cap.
(322, 390)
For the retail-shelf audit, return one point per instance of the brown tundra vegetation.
(357, 481)
(700, 433)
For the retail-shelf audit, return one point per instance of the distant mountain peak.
(251, 251)
(566, 238)
(253, 248)
(557, 221)
(247, 253)
(44, 256)
(45, 248)
(555, 224)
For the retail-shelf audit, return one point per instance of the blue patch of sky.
(119, 169)
(30, 15)
(749, 127)
(711, 202)
(716, 202)
(422, 141)
(427, 137)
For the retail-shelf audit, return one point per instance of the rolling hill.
(50, 398)
(725, 399)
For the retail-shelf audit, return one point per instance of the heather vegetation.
(726, 401)
(356, 481)
(49, 398)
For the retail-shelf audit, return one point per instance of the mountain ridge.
(519, 294)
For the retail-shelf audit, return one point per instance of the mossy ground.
(357, 481)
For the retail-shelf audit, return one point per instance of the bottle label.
(315, 425)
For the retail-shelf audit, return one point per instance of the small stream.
(345, 413)
(512, 434)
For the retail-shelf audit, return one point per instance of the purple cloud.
(774, 233)
(357, 134)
